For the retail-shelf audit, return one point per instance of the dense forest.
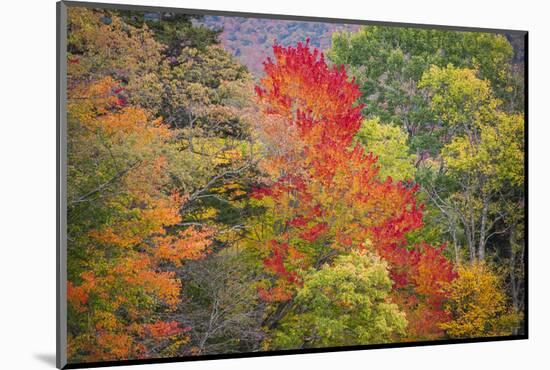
(361, 191)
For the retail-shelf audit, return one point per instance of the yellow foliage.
(389, 143)
(498, 154)
(477, 304)
(458, 96)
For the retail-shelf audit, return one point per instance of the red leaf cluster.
(332, 193)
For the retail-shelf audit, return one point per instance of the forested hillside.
(370, 194)
(251, 39)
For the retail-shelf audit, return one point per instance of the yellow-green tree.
(389, 144)
(346, 303)
(483, 156)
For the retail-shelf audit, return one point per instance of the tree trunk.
(482, 229)
(516, 259)
(471, 243)
(455, 245)
(281, 310)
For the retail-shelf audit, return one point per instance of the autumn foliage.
(332, 199)
(210, 212)
(131, 279)
(477, 304)
(119, 277)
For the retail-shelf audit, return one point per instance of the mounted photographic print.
(235, 185)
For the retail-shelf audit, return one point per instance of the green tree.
(346, 303)
(388, 63)
(174, 30)
(389, 143)
(483, 159)
(205, 89)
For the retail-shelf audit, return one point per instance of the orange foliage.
(190, 244)
(128, 285)
(111, 345)
(161, 329)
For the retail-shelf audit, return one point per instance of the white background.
(27, 182)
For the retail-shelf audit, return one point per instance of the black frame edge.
(84, 365)
(285, 17)
(526, 176)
